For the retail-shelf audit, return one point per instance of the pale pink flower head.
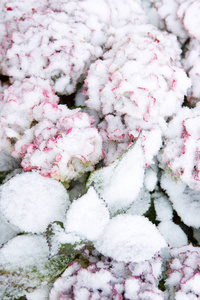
(18, 103)
(63, 144)
(136, 87)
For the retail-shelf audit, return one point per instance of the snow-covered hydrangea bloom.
(180, 17)
(59, 42)
(191, 63)
(105, 278)
(136, 86)
(17, 106)
(183, 275)
(182, 146)
(63, 144)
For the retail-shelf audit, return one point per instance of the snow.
(87, 216)
(150, 180)
(39, 294)
(184, 200)
(30, 201)
(107, 193)
(29, 250)
(143, 90)
(119, 183)
(63, 144)
(7, 231)
(163, 207)
(173, 234)
(130, 238)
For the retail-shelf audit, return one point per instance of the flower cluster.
(18, 103)
(105, 278)
(63, 144)
(61, 39)
(181, 150)
(184, 275)
(143, 90)
(177, 16)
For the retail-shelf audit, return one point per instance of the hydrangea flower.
(181, 149)
(183, 274)
(59, 42)
(105, 278)
(136, 86)
(63, 144)
(191, 63)
(18, 103)
(177, 16)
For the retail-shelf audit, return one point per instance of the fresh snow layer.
(185, 201)
(130, 239)
(24, 251)
(30, 201)
(119, 183)
(7, 231)
(173, 234)
(87, 216)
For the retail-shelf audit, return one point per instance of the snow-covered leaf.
(60, 242)
(25, 264)
(119, 183)
(130, 238)
(185, 201)
(87, 216)
(31, 201)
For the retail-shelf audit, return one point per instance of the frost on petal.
(87, 216)
(184, 200)
(30, 201)
(119, 183)
(130, 238)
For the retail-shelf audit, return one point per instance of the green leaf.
(25, 265)
(62, 243)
